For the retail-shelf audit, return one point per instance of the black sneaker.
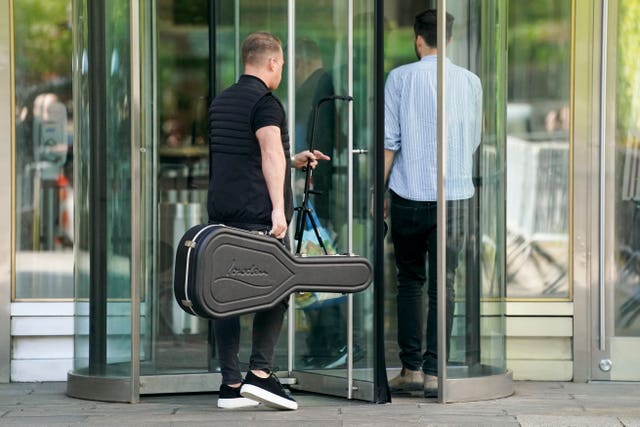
(230, 398)
(268, 391)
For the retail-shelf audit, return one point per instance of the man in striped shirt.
(411, 173)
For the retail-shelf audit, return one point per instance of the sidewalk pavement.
(533, 404)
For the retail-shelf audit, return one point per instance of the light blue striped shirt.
(411, 129)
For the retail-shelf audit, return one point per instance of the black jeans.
(267, 325)
(414, 236)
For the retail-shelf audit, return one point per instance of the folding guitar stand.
(304, 211)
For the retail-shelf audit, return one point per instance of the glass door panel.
(320, 58)
(330, 326)
(316, 39)
(363, 158)
(176, 76)
(477, 336)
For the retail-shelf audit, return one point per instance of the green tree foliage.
(539, 43)
(42, 40)
(628, 69)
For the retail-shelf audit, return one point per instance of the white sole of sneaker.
(237, 403)
(268, 399)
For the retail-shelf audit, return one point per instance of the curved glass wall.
(102, 73)
(477, 352)
(480, 347)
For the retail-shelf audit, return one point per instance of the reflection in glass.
(538, 149)
(322, 69)
(44, 150)
(324, 335)
(178, 188)
(627, 175)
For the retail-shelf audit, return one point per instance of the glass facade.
(44, 158)
(538, 151)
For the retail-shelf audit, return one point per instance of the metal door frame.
(7, 154)
(594, 116)
(587, 114)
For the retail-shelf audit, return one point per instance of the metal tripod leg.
(302, 217)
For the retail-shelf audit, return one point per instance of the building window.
(43, 156)
(539, 40)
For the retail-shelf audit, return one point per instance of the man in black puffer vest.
(250, 188)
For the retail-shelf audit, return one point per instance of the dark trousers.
(267, 325)
(414, 236)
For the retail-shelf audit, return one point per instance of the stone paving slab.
(566, 421)
(533, 404)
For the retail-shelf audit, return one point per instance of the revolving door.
(145, 72)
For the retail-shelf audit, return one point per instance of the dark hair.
(257, 47)
(426, 25)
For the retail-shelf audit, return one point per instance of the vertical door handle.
(603, 133)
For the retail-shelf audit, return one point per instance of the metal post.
(137, 151)
(7, 193)
(291, 103)
(603, 165)
(97, 188)
(350, 192)
(442, 205)
(380, 383)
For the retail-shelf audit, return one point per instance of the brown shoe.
(430, 385)
(407, 380)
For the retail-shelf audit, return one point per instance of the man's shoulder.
(465, 72)
(269, 100)
(400, 74)
(465, 79)
(405, 68)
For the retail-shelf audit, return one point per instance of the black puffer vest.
(238, 193)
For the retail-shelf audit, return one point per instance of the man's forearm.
(273, 164)
(388, 164)
(273, 169)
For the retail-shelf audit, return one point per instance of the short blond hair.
(258, 47)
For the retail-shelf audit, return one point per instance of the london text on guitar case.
(222, 271)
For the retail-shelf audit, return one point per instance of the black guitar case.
(222, 271)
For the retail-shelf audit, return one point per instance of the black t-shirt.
(268, 112)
